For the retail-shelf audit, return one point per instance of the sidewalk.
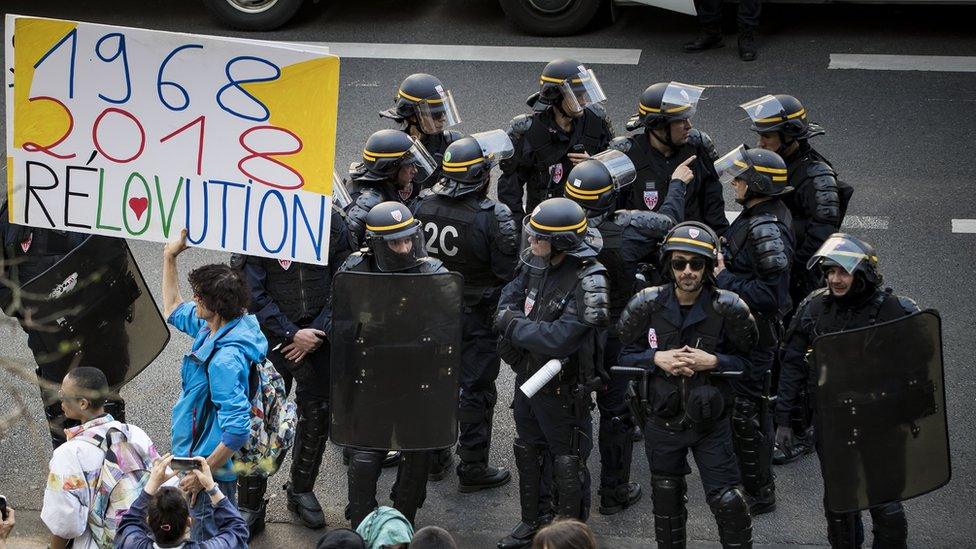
(30, 533)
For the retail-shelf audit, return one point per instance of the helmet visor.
(398, 251)
(535, 247)
(732, 165)
(620, 166)
(765, 110)
(680, 100)
(841, 251)
(418, 156)
(340, 194)
(436, 114)
(581, 90)
(495, 146)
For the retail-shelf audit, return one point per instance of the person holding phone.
(160, 516)
(7, 521)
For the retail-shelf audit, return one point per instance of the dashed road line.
(850, 222)
(964, 225)
(514, 54)
(877, 62)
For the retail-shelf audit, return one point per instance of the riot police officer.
(686, 337)
(290, 301)
(425, 110)
(477, 237)
(394, 245)
(26, 253)
(622, 238)
(664, 111)
(568, 124)
(756, 265)
(393, 164)
(854, 298)
(554, 309)
(818, 204)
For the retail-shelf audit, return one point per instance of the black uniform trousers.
(616, 425)
(710, 12)
(667, 453)
(559, 425)
(479, 370)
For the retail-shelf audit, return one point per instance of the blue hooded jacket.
(214, 406)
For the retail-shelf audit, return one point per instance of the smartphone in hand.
(3, 508)
(183, 464)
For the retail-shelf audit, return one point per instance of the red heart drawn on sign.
(138, 205)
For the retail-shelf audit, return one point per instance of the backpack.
(125, 471)
(272, 425)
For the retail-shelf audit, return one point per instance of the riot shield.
(881, 421)
(396, 355)
(93, 308)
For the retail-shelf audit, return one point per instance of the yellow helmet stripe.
(797, 114)
(763, 169)
(581, 193)
(409, 97)
(370, 155)
(578, 228)
(698, 243)
(644, 109)
(552, 80)
(462, 164)
(391, 227)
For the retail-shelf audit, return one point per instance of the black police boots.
(310, 438)
(615, 500)
(535, 512)
(747, 43)
(440, 464)
(523, 533)
(475, 474)
(762, 502)
(251, 503)
(710, 37)
(802, 446)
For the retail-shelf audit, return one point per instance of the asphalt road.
(903, 139)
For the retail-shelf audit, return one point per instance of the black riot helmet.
(559, 221)
(423, 101)
(570, 80)
(693, 237)
(386, 151)
(468, 161)
(394, 237)
(783, 114)
(764, 171)
(850, 253)
(595, 183)
(663, 103)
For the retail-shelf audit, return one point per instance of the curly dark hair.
(221, 289)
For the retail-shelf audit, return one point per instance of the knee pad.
(669, 495)
(730, 508)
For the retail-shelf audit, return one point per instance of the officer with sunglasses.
(756, 265)
(687, 338)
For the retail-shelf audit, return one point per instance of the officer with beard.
(290, 301)
(568, 124)
(26, 252)
(393, 164)
(690, 335)
(554, 309)
(394, 245)
(818, 204)
(756, 266)
(664, 112)
(477, 237)
(622, 238)
(425, 110)
(854, 298)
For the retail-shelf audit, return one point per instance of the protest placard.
(137, 134)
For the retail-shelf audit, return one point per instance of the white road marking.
(964, 225)
(515, 54)
(875, 62)
(853, 221)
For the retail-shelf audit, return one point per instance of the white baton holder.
(540, 378)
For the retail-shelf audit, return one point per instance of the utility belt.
(676, 403)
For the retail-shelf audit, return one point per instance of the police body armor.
(448, 224)
(881, 418)
(650, 225)
(95, 309)
(761, 232)
(396, 350)
(547, 152)
(301, 290)
(678, 403)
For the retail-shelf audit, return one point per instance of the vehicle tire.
(550, 17)
(253, 15)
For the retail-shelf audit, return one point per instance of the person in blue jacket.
(212, 416)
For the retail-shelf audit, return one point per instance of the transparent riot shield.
(881, 421)
(396, 355)
(94, 308)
